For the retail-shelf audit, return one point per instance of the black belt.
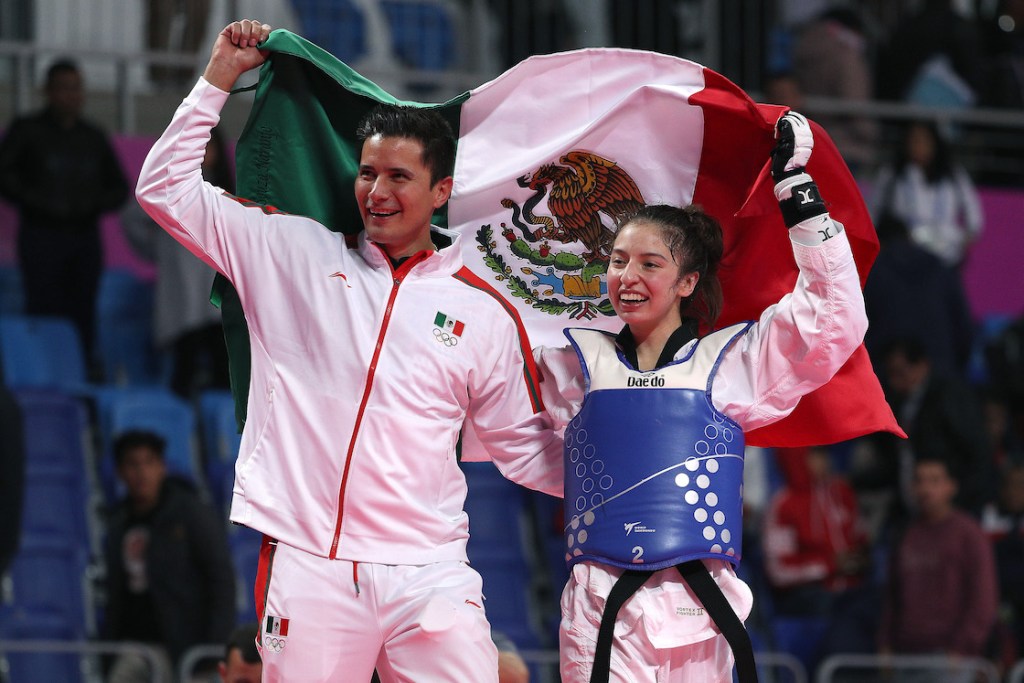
(707, 591)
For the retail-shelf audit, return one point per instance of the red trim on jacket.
(531, 375)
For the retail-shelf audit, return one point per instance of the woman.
(930, 194)
(654, 431)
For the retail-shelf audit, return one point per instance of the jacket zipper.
(398, 277)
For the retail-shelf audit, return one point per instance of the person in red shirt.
(941, 595)
(814, 546)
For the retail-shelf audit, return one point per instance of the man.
(368, 357)
(61, 173)
(241, 663)
(170, 581)
(943, 417)
(941, 595)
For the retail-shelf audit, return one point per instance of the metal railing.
(973, 669)
(151, 655)
(1016, 673)
(990, 143)
(772, 665)
(196, 655)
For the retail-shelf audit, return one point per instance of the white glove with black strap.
(798, 196)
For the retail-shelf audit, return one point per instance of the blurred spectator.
(814, 547)
(242, 662)
(941, 594)
(933, 195)
(795, 13)
(1004, 39)
(12, 475)
(1003, 521)
(911, 293)
(942, 416)
(1004, 359)
(933, 56)
(783, 88)
(830, 60)
(61, 173)
(511, 667)
(184, 320)
(1007, 444)
(170, 580)
(178, 27)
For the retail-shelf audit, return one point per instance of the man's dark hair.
(912, 348)
(425, 126)
(60, 66)
(138, 438)
(243, 638)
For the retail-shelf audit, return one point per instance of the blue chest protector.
(653, 473)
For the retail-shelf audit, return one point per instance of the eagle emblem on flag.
(586, 196)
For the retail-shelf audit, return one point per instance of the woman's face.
(644, 284)
(920, 146)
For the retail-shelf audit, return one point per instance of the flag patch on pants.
(276, 626)
(275, 633)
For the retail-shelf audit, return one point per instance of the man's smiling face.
(395, 196)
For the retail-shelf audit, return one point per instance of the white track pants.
(413, 623)
(663, 634)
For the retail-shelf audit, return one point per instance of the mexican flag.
(549, 153)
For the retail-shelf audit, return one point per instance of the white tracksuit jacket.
(356, 401)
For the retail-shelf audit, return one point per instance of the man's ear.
(442, 191)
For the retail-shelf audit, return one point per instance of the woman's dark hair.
(694, 239)
(941, 165)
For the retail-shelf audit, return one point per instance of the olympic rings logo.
(275, 644)
(445, 338)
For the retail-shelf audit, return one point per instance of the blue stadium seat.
(155, 409)
(49, 578)
(548, 525)
(56, 429)
(498, 549)
(338, 27)
(41, 351)
(221, 440)
(12, 291)
(124, 329)
(245, 554)
(58, 482)
(423, 33)
(509, 602)
(496, 509)
(38, 666)
(799, 636)
(57, 508)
